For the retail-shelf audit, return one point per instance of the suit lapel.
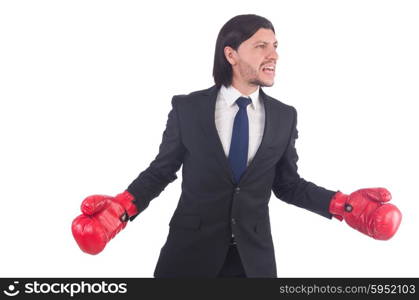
(214, 142)
(208, 125)
(268, 134)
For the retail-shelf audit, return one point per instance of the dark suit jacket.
(211, 207)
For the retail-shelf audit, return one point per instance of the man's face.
(254, 61)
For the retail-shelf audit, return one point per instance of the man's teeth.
(269, 68)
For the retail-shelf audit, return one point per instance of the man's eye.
(262, 46)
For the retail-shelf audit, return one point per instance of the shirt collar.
(231, 94)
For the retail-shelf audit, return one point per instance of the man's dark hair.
(233, 33)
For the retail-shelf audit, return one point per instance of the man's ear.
(230, 55)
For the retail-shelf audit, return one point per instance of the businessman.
(237, 146)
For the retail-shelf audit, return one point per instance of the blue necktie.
(239, 146)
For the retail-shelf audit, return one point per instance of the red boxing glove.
(103, 217)
(366, 210)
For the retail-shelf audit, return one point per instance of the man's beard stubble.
(249, 72)
(256, 81)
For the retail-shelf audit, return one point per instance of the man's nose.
(273, 54)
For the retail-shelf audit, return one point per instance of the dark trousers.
(232, 265)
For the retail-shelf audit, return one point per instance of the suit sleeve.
(162, 170)
(291, 188)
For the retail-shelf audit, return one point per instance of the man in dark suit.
(237, 145)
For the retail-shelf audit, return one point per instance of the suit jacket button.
(233, 221)
(237, 190)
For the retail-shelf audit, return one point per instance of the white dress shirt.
(225, 112)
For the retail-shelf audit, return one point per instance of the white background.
(85, 89)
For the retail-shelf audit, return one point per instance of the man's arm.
(103, 217)
(291, 188)
(162, 170)
(366, 210)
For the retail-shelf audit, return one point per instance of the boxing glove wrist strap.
(338, 205)
(127, 201)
